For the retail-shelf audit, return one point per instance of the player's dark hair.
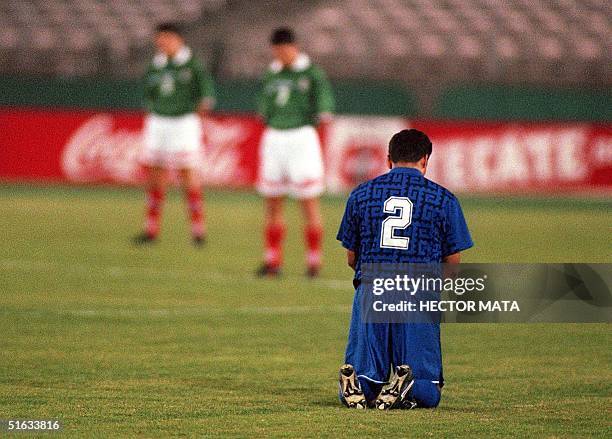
(174, 28)
(409, 146)
(282, 35)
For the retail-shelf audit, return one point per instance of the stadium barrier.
(85, 146)
(352, 96)
(456, 102)
(522, 102)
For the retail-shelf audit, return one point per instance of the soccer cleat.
(313, 271)
(267, 270)
(351, 394)
(394, 395)
(198, 241)
(143, 238)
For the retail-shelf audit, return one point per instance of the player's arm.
(205, 89)
(324, 96)
(263, 100)
(451, 265)
(348, 234)
(456, 236)
(148, 89)
(351, 259)
(455, 258)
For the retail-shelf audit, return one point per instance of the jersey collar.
(182, 57)
(405, 170)
(301, 63)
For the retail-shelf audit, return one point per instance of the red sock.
(154, 201)
(314, 237)
(274, 236)
(196, 211)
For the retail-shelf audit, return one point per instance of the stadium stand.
(86, 37)
(551, 42)
(534, 41)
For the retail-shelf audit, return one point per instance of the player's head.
(169, 38)
(410, 147)
(284, 46)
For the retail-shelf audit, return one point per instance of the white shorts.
(172, 142)
(291, 163)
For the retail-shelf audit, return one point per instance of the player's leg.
(194, 198)
(396, 394)
(273, 186)
(417, 347)
(274, 236)
(184, 150)
(313, 234)
(426, 394)
(367, 350)
(307, 184)
(406, 392)
(153, 161)
(155, 193)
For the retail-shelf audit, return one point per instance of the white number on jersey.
(282, 95)
(167, 84)
(394, 222)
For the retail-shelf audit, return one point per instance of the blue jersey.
(402, 217)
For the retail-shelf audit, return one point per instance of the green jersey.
(295, 96)
(176, 86)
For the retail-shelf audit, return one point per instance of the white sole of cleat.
(390, 394)
(350, 389)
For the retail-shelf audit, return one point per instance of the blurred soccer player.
(177, 87)
(296, 96)
(398, 217)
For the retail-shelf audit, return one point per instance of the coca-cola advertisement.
(104, 147)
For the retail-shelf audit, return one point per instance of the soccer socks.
(195, 208)
(313, 236)
(274, 235)
(154, 202)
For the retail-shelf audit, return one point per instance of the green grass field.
(170, 340)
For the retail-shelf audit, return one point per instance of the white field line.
(207, 312)
(163, 313)
(116, 271)
(192, 311)
(34, 266)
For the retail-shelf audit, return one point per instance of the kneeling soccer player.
(398, 217)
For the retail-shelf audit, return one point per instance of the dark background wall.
(354, 97)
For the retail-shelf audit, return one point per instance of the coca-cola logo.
(95, 153)
(222, 144)
(98, 152)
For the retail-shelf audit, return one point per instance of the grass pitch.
(171, 340)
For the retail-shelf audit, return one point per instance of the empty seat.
(488, 40)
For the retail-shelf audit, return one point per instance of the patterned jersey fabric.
(402, 217)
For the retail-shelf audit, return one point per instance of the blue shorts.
(374, 348)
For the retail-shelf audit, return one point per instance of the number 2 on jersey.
(402, 208)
